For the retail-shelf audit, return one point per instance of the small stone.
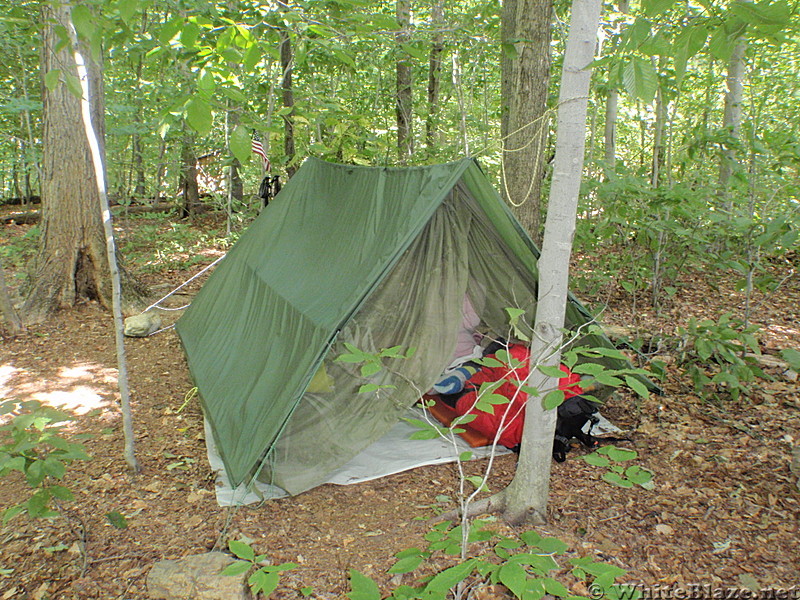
(142, 325)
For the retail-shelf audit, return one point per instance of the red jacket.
(510, 416)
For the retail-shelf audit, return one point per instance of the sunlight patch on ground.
(211, 252)
(6, 374)
(77, 389)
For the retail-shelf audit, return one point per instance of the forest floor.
(724, 511)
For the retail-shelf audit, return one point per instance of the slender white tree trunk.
(116, 285)
(732, 119)
(526, 496)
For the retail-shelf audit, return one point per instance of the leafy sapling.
(265, 577)
(610, 457)
(527, 566)
(30, 443)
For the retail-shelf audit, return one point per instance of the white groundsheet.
(393, 453)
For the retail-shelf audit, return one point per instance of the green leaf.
(73, 85)
(199, 115)
(407, 563)
(370, 368)
(205, 82)
(449, 578)
(637, 33)
(242, 550)
(653, 8)
(720, 44)
(514, 577)
(617, 479)
(236, 568)
(54, 467)
(35, 473)
(555, 588)
(551, 371)
(487, 402)
(38, 505)
(551, 545)
(61, 492)
(240, 143)
(553, 399)
(606, 378)
(127, 9)
(362, 587)
(596, 460)
(768, 17)
(637, 386)
(169, 30)
(463, 419)
(252, 57)
(264, 582)
(84, 21)
(117, 519)
(189, 34)
(12, 512)
(791, 356)
(476, 480)
(640, 79)
(638, 475)
(531, 538)
(618, 454)
(52, 78)
(234, 94)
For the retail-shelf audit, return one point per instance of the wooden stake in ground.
(99, 171)
(525, 499)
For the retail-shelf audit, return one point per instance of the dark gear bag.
(573, 414)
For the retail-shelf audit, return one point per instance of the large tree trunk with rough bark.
(526, 496)
(524, 89)
(71, 264)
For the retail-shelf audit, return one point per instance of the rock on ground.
(196, 578)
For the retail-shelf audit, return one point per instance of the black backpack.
(573, 414)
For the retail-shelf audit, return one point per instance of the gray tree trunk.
(732, 119)
(287, 93)
(524, 88)
(188, 177)
(526, 496)
(612, 110)
(434, 77)
(404, 93)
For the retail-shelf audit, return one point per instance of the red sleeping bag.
(508, 418)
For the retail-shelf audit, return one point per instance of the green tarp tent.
(377, 257)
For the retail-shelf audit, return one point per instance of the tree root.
(494, 504)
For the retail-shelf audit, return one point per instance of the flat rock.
(196, 577)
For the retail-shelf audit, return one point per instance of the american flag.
(258, 148)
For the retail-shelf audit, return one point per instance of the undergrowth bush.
(30, 442)
(527, 565)
(720, 357)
